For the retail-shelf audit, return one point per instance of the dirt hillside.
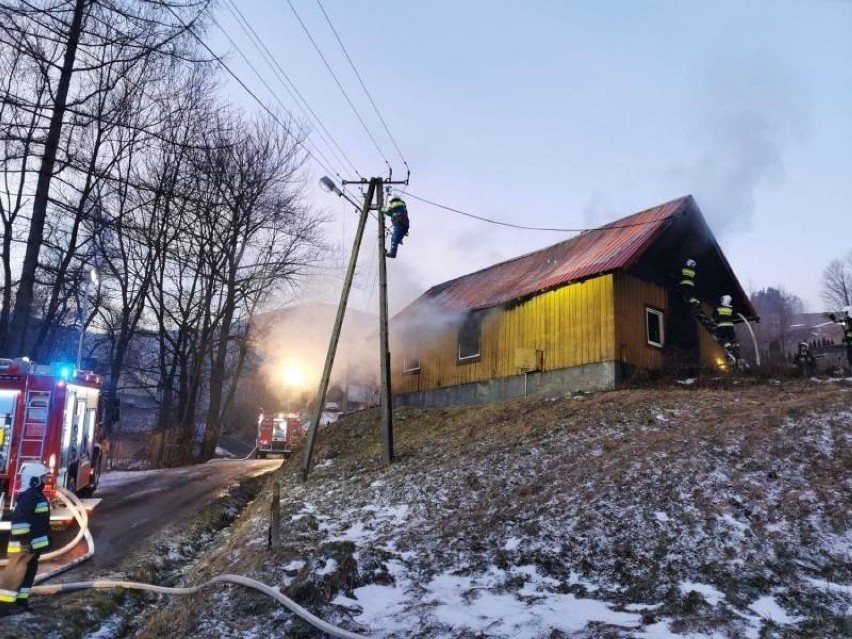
(671, 511)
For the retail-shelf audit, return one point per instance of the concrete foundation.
(591, 377)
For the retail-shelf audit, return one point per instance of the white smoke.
(751, 112)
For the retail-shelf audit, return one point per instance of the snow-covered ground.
(695, 514)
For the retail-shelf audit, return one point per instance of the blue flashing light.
(66, 371)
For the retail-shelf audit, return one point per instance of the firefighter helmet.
(848, 311)
(33, 474)
(726, 300)
(803, 346)
(690, 263)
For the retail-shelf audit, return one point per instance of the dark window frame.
(470, 333)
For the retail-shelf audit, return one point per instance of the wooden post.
(275, 514)
(384, 350)
(338, 323)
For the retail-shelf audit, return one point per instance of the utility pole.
(384, 349)
(374, 190)
(338, 324)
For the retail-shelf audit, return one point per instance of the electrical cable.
(339, 85)
(268, 88)
(528, 228)
(363, 86)
(248, 90)
(286, 81)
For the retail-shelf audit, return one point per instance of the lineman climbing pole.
(374, 191)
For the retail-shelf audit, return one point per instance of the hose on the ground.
(315, 621)
(79, 512)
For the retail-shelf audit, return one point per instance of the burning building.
(584, 314)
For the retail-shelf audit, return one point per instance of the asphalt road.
(134, 510)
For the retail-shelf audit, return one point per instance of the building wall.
(588, 377)
(564, 328)
(584, 336)
(632, 297)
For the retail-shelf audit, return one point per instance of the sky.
(568, 115)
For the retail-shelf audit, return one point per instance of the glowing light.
(292, 375)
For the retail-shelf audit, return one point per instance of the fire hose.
(81, 516)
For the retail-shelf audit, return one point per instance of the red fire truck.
(49, 415)
(278, 433)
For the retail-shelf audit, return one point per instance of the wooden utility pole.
(374, 190)
(384, 350)
(335, 334)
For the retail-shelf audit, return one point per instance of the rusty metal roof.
(608, 248)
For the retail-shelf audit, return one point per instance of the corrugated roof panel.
(608, 248)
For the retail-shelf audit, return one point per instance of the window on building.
(470, 338)
(410, 363)
(654, 327)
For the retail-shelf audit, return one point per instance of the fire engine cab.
(278, 433)
(49, 415)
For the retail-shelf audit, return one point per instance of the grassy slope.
(619, 496)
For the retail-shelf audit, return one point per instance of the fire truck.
(49, 414)
(278, 433)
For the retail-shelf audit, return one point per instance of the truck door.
(67, 452)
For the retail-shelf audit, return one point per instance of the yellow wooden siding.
(632, 296)
(570, 326)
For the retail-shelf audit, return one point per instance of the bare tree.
(837, 283)
(66, 42)
(776, 307)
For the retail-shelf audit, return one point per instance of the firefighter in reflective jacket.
(28, 538)
(687, 282)
(398, 214)
(725, 333)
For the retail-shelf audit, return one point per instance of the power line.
(265, 84)
(527, 228)
(363, 86)
(248, 90)
(339, 85)
(287, 82)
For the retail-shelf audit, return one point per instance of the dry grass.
(578, 476)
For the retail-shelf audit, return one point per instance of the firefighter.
(398, 214)
(725, 333)
(28, 538)
(846, 325)
(687, 282)
(805, 361)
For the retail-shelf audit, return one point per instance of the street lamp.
(92, 279)
(328, 185)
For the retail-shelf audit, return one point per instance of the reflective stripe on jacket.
(30, 521)
(397, 212)
(724, 316)
(687, 276)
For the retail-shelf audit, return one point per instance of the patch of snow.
(710, 594)
(767, 608)
(512, 544)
